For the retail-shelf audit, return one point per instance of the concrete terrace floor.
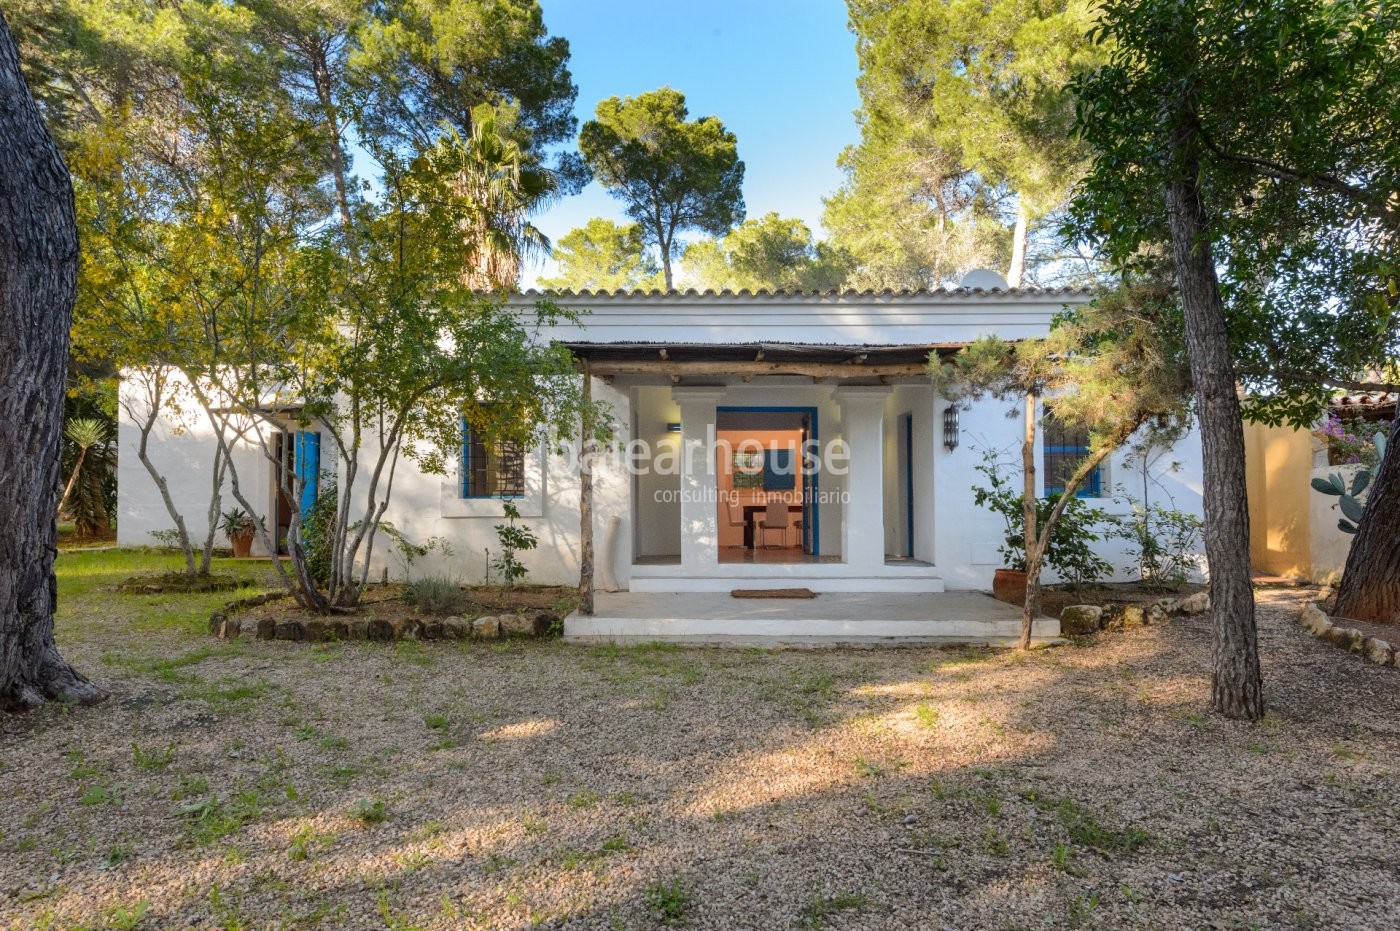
(828, 619)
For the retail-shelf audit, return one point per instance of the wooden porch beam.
(809, 369)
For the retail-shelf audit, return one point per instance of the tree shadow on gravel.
(556, 786)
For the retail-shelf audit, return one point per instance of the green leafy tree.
(1111, 366)
(672, 174)
(424, 65)
(771, 253)
(909, 214)
(383, 348)
(603, 256)
(965, 121)
(166, 191)
(1264, 148)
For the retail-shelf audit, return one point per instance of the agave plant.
(1349, 498)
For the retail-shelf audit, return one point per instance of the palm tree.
(504, 185)
(84, 433)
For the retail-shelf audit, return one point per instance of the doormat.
(773, 593)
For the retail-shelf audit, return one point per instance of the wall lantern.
(673, 428)
(950, 427)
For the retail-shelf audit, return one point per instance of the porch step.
(727, 583)
(904, 576)
(829, 620)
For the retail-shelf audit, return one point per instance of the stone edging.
(225, 625)
(1088, 619)
(1348, 638)
(226, 628)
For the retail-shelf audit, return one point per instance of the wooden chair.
(776, 517)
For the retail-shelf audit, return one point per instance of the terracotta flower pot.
(242, 545)
(1009, 585)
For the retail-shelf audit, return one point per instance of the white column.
(699, 485)
(863, 517)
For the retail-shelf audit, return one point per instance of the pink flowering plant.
(1352, 441)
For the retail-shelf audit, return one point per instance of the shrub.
(1162, 542)
(513, 538)
(318, 530)
(1353, 441)
(436, 594)
(407, 552)
(1070, 552)
(369, 812)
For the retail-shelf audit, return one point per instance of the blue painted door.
(308, 467)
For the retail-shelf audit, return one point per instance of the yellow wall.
(1278, 468)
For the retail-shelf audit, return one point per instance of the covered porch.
(777, 464)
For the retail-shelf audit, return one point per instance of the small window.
(491, 469)
(747, 470)
(1065, 449)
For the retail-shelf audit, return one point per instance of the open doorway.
(766, 490)
(903, 534)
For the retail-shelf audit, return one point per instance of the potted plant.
(239, 527)
(1070, 550)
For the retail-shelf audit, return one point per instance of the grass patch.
(153, 759)
(370, 812)
(823, 907)
(1085, 831)
(211, 820)
(669, 901)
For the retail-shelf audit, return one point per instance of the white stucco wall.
(950, 532)
(422, 506)
(181, 448)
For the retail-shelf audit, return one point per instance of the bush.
(1162, 542)
(513, 538)
(436, 594)
(318, 530)
(1070, 551)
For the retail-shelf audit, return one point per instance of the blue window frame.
(491, 469)
(1063, 453)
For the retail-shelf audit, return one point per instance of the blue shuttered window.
(491, 469)
(1064, 451)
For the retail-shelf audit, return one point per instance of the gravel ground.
(267, 784)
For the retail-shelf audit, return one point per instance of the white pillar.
(699, 484)
(863, 516)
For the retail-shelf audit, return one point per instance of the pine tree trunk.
(1030, 610)
(1017, 270)
(1370, 589)
(1237, 685)
(38, 280)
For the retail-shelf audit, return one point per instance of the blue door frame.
(811, 512)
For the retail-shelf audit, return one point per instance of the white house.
(706, 488)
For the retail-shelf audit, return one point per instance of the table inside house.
(751, 512)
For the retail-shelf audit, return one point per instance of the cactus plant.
(1349, 499)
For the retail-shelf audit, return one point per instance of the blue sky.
(779, 73)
